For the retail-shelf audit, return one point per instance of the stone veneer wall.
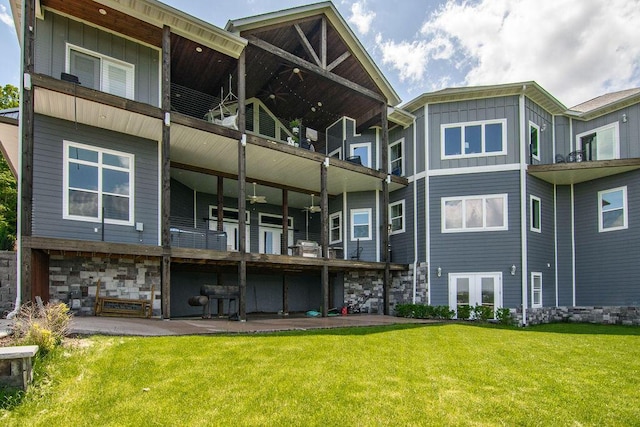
(364, 289)
(8, 282)
(603, 315)
(74, 281)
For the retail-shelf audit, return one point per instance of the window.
(97, 182)
(361, 224)
(534, 212)
(474, 213)
(364, 151)
(335, 227)
(612, 209)
(230, 226)
(270, 237)
(534, 140)
(396, 217)
(396, 158)
(101, 72)
(536, 290)
(600, 144)
(473, 139)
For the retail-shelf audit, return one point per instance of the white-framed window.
(602, 143)
(361, 224)
(612, 209)
(363, 150)
(396, 217)
(98, 182)
(335, 227)
(101, 72)
(536, 290)
(270, 237)
(534, 140)
(474, 139)
(396, 158)
(535, 210)
(474, 213)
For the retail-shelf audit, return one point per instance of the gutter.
(415, 214)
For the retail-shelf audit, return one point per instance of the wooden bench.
(106, 306)
(16, 369)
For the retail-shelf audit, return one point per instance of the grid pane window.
(613, 209)
(473, 139)
(361, 224)
(335, 227)
(396, 217)
(474, 213)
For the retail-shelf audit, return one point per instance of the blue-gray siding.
(402, 243)
(491, 251)
(542, 118)
(362, 200)
(565, 245)
(51, 52)
(607, 263)
(48, 182)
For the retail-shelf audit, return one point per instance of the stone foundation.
(604, 315)
(364, 290)
(74, 281)
(8, 282)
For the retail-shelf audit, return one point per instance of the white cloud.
(575, 49)
(5, 16)
(360, 17)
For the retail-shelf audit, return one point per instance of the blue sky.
(575, 49)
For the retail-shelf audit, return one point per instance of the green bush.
(464, 312)
(42, 326)
(482, 312)
(424, 311)
(503, 315)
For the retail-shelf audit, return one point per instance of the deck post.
(220, 228)
(384, 215)
(324, 238)
(242, 202)
(166, 175)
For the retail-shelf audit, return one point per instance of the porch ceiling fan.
(256, 199)
(313, 208)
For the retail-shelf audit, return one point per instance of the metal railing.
(184, 235)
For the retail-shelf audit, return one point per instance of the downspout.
(18, 303)
(426, 202)
(415, 214)
(555, 210)
(523, 208)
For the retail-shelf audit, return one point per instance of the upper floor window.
(612, 209)
(335, 227)
(361, 224)
(363, 151)
(101, 72)
(474, 213)
(601, 143)
(534, 140)
(396, 217)
(535, 210)
(98, 184)
(396, 158)
(474, 139)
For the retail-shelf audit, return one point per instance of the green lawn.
(450, 374)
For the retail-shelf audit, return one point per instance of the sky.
(575, 49)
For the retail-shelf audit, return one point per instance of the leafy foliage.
(9, 96)
(423, 311)
(503, 315)
(482, 312)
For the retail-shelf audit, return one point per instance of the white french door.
(231, 228)
(270, 241)
(475, 289)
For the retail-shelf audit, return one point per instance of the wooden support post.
(220, 228)
(324, 237)
(27, 141)
(242, 202)
(285, 294)
(284, 242)
(166, 174)
(384, 215)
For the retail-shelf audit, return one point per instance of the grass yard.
(449, 374)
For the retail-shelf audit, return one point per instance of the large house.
(159, 154)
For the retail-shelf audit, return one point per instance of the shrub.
(404, 310)
(443, 312)
(503, 315)
(42, 326)
(464, 312)
(482, 312)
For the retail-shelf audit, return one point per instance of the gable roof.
(339, 24)
(606, 103)
(530, 89)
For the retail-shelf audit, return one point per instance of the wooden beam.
(220, 227)
(307, 46)
(242, 177)
(285, 294)
(165, 221)
(323, 43)
(339, 60)
(268, 47)
(284, 241)
(71, 245)
(324, 238)
(384, 158)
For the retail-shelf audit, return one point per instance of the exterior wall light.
(513, 270)
(439, 271)
(624, 118)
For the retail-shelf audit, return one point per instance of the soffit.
(575, 173)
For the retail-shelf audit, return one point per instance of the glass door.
(473, 289)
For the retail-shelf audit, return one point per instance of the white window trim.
(402, 230)
(535, 126)
(625, 210)
(483, 153)
(366, 145)
(225, 219)
(484, 197)
(129, 69)
(402, 169)
(616, 135)
(532, 227)
(65, 191)
(354, 212)
(331, 217)
(533, 289)
(266, 224)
